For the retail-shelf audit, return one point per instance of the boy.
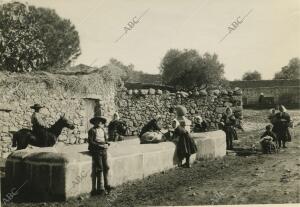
(98, 148)
(268, 140)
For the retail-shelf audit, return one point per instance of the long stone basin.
(63, 172)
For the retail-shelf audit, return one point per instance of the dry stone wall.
(138, 106)
(18, 92)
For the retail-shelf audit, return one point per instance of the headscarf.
(271, 111)
(116, 116)
(177, 123)
(283, 108)
(230, 110)
(157, 117)
(200, 119)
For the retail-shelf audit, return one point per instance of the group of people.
(276, 135)
(277, 132)
(99, 141)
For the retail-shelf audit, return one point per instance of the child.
(268, 140)
(200, 125)
(98, 148)
(186, 145)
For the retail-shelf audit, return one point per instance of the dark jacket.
(229, 124)
(150, 126)
(281, 124)
(200, 127)
(116, 129)
(269, 133)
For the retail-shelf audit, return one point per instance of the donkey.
(23, 137)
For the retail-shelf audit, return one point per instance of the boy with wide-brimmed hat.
(98, 145)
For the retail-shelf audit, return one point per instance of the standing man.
(98, 146)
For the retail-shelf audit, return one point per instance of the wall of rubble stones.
(19, 92)
(138, 106)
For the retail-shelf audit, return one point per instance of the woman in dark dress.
(228, 122)
(281, 125)
(200, 125)
(151, 126)
(185, 144)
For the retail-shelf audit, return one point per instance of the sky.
(266, 39)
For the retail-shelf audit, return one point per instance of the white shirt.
(100, 135)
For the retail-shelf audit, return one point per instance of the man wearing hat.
(98, 145)
(38, 124)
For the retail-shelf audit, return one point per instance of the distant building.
(275, 92)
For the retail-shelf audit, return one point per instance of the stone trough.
(63, 172)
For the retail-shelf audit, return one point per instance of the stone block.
(151, 91)
(159, 92)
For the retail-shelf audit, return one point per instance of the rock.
(227, 104)
(203, 92)
(159, 92)
(151, 91)
(144, 91)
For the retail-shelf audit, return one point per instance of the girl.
(228, 123)
(185, 145)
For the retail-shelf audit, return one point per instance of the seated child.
(200, 125)
(267, 141)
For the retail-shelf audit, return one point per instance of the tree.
(291, 71)
(35, 38)
(248, 76)
(187, 69)
(117, 68)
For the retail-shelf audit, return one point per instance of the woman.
(151, 126)
(272, 116)
(228, 122)
(200, 125)
(185, 144)
(281, 126)
(116, 129)
(268, 140)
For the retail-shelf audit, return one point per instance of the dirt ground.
(243, 177)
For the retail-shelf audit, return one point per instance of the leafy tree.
(20, 48)
(117, 68)
(251, 76)
(187, 69)
(35, 38)
(291, 71)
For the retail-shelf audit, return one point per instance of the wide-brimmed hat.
(97, 118)
(36, 106)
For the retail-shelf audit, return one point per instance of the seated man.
(268, 140)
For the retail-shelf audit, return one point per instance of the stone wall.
(138, 106)
(76, 96)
